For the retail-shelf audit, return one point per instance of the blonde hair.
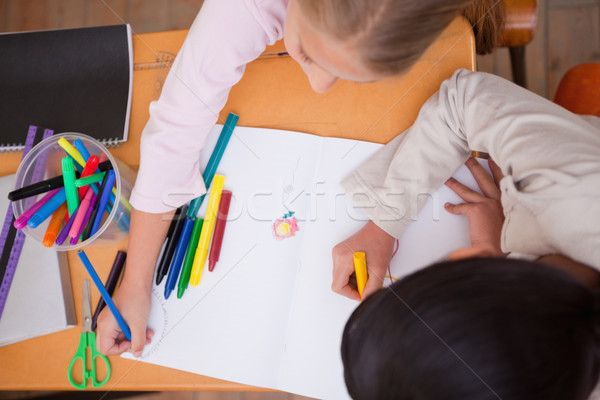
(392, 34)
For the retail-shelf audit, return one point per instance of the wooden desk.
(274, 93)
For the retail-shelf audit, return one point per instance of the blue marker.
(107, 299)
(47, 209)
(110, 181)
(182, 245)
(81, 149)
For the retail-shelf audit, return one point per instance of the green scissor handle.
(88, 340)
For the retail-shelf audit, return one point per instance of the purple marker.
(22, 220)
(62, 236)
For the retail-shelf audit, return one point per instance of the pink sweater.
(226, 35)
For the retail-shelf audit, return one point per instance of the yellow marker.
(360, 268)
(206, 234)
(72, 151)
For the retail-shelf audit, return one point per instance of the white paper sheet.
(266, 315)
(40, 299)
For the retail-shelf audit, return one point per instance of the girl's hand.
(484, 211)
(134, 304)
(378, 246)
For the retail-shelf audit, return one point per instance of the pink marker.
(22, 220)
(85, 203)
(88, 214)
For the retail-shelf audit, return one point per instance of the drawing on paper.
(158, 321)
(285, 227)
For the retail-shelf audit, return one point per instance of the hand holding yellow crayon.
(360, 268)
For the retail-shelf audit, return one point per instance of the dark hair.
(474, 329)
(392, 34)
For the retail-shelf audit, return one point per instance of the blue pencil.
(107, 299)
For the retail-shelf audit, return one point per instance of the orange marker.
(54, 225)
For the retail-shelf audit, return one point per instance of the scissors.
(88, 341)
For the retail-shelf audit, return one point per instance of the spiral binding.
(114, 142)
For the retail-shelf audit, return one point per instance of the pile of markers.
(189, 238)
(73, 201)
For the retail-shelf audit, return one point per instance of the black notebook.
(73, 80)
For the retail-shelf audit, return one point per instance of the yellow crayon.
(360, 268)
(207, 229)
(72, 151)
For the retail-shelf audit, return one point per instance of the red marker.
(215, 247)
(89, 169)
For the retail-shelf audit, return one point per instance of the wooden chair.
(579, 89)
(519, 26)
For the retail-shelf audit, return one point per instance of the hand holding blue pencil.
(104, 293)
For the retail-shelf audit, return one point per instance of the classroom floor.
(568, 34)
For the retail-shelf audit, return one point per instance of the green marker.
(186, 271)
(81, 182)
(69, 180)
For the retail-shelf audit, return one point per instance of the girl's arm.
(534, 142)
(147, 234)
(226, 35)
(393, 185)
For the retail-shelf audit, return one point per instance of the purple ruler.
(11, 240)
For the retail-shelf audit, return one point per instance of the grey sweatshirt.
(549, 156)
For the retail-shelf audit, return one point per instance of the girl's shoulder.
(270, 14)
